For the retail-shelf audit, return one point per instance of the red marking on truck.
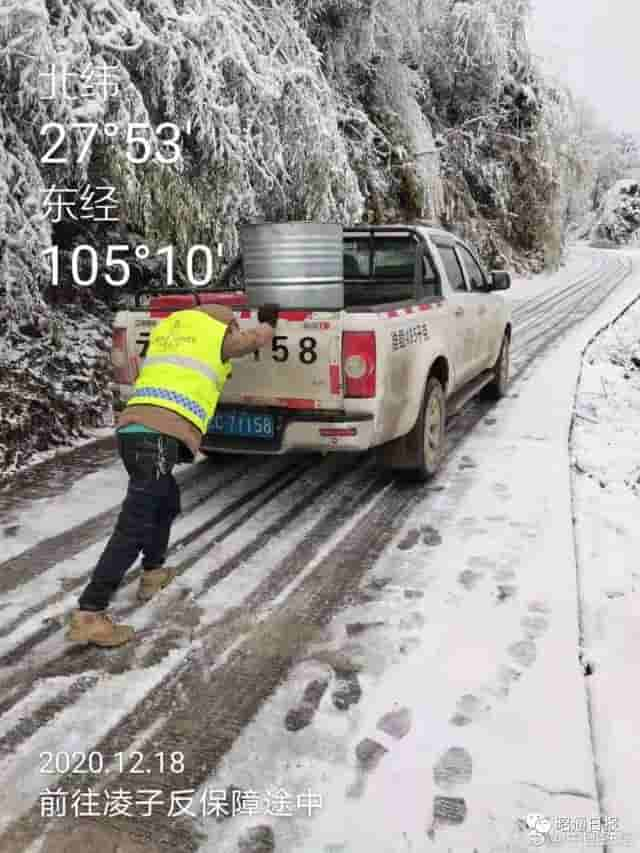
(295, 316)
(232, 297)
(338, 432)
(334, 378)
(245, 315)
(426, 307)
(408, 310)
(296, 403)
(393, 313)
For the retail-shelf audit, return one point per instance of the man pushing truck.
(384, 332)
(174, 398)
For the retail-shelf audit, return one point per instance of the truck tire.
(419, 454)
(497, 388)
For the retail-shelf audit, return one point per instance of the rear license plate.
(242, 424)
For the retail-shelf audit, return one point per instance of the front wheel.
(497, 388)
(419, 454)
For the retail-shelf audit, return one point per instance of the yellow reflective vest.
(183, 370)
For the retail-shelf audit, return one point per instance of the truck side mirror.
(499, 280)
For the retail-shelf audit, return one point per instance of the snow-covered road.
(379, 667)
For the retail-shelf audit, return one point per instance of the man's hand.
(239, 343)
(264, 334)
(268, 314)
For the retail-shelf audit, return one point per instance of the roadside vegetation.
(337, 110)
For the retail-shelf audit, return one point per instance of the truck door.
(483, 307)
(462, 322)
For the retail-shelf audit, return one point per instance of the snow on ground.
(523, 289)
(606, 478)
(90, 495)
(27, 773)
(475, 708)
(477, 736)
(25, 521)
(69, 572)
(93, 434)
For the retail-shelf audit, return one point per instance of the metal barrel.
(293, 264)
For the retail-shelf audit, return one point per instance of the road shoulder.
(605, 473)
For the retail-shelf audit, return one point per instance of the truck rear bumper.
(302, 431)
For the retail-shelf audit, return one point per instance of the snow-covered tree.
(287, 109)
(617, 221)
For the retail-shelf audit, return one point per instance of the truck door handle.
(482, 309)
(459, 312)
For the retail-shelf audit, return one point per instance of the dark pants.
(144, 524)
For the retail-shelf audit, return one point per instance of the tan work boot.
(153, 580)
(85, 626)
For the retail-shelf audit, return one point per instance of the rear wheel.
(419, 454)
(497, 388)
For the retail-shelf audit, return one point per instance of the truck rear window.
(356, 257)
(393, 257)
(382, 270)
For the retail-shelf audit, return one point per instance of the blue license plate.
(242, 424)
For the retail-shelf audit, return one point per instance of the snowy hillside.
(618, 220)
(299, 109)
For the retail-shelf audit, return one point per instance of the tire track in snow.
(262, 494)
(253, 661)
(83, 538)
(221, 638)
(284, 575)
(74, 661)
(537, 304)
(581, 303)
(565, 307)
(118, 661)
(217, 653)
(46, 554)
(54, 476)
(36, 718)
(269, 589)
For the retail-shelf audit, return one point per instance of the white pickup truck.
(421, 333)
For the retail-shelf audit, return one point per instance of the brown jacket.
(235, 345)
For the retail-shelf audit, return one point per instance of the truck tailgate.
(301, 370)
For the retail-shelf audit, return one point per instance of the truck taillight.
(120, 355)
(359, 364)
